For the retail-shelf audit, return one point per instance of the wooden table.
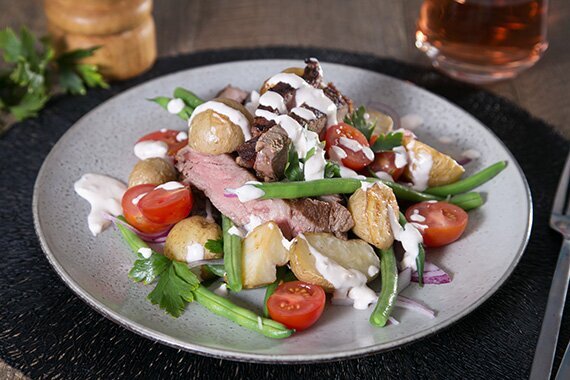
(381, 27)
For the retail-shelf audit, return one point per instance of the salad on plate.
(291, 188)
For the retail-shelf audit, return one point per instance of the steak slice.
(246, 153)
(214, 173)
(272, 154)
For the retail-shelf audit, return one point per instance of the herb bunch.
(31, 74)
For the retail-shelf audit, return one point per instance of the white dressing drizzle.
(104, 194)
(291, 79)
(420, 166)
(305, 113)
(222, 290)
(138, 198)
(235, 116)
(253, 102)
(175, 105)
(233, 230)
(168, 186)
(416, 217)
(151, 149)
(273, 100)
(410, 238)
(194, 252)
(349, 282)
(349, 173)
(355, 146)
(401, 156)
(254, 222)
(181, 136)
(247, 192)
(146, 252)
(315, 166)
(316, 98)
(337, 153)
(384, 176)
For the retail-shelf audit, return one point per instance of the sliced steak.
(272, 153)
(233, 93)
(246, 153)
(213, 174)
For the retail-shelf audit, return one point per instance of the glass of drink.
(482, 41)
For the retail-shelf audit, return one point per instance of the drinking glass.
(482, 41)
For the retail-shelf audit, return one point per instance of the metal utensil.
(559, 221)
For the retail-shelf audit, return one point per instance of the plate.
(96, 268)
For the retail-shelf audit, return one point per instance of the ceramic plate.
(96, 268)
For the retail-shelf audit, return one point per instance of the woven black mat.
(47, 332)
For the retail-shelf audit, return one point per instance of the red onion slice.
(393, 321)
(159, 237)
(198, 263)
(433, 275)
(408, 303)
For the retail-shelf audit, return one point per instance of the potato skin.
(350, 254)
(214, 133)
(195, 229)
(154, 171)
(370, 213)
(444, 170)
(384, 122)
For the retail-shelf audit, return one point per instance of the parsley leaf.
(73, 76)
(214, 246)
(332, 169)
(358, 121)
(387, 142)
(293, 171)
(310, 153)
(147, 270)
(174, 289)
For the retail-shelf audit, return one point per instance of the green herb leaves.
(387, 142)
(147, 270)
(215, 246)
(358, 120)
(293, 170)
(28, 82)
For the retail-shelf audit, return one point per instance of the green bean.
(315, 188)
(283, 275)
(191, 99)
(163, 102)
(470, 182)
(216, 270)
(467, 201)
(405, 192)
(243, 317)
(232, 256)
(389, 292)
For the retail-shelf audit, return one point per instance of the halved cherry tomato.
(296, 304)
(353, 160)
(445, 222)
(166, 206)
(386, 162)
(134, 215)
(169, 137)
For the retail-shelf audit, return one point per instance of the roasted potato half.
(369, 209)
(349, 254)
(188, 232)
(444, 169)
(384, 123)
(214, 133)
(154, 171)
(262, 252)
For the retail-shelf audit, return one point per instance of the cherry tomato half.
(165, 206)
(355, 160)
(169, 137)
(296, 304)
(386, 162)
(445, 222)
(134, 215)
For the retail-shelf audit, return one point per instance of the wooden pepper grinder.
(123, 28)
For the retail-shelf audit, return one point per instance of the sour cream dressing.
(194, 252)
(305, 113)
(409, 236)
(104, 194)
(355, 146)
(350, 282)
(235, 116)
(168, 186)
(181, 136)
(146, 252)
(151, 149)
(273, 100)
(420, 167)
(401, 156)
(175, 106)
(247, 192)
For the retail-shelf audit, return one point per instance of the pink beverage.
(482, 41)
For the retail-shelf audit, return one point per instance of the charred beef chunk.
(272, 153)
(233, 93)
(287, 92)
(343, 103)
(260, 126)
(315, 125)
(214, 173)
(313, 73)
(246, 153)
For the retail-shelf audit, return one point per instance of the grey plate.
(96, 268)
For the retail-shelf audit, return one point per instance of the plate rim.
(174, 342)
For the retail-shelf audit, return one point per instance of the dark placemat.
(47, 332)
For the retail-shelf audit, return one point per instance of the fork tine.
(562, 190)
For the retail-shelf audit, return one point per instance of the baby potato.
(262, 251)
(444, 169)
(193, 230)
(384, 123)
(349, 254)
(154, 171)
(369, 209)
(213, 133)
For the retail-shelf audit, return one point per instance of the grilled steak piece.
(343, 103)
(313, 73)
(213, 174)
(260, 126)
(246, 153)
(233, 93)
(272, 148)
(315, 125)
